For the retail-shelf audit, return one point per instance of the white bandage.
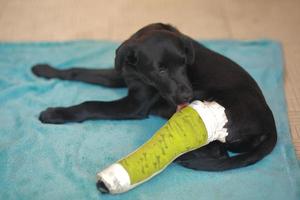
(214, 118)
(115, 178)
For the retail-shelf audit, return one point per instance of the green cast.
(184, 132)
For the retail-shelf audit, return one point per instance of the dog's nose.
(185, 97)
(102, 187)
(184, 94)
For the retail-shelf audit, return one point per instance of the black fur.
(163, 68)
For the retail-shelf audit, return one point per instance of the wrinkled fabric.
(44, 161)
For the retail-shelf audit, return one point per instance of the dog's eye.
(162, 68)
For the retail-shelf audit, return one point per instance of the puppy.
(164, 70)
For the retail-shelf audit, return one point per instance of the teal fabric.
(42, 161)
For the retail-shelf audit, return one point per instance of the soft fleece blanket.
(42, 161)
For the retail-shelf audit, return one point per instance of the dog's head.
(159, 59)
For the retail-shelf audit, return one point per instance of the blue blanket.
(42, 161)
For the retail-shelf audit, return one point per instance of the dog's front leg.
(106, 77)
(128, 107)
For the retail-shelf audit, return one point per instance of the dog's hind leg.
(105, 77)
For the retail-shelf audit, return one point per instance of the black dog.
(164, 69)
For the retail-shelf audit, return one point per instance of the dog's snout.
(184, 96)
(186, 99)
(187, 93)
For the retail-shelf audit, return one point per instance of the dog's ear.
(125, 54)
(189, 50)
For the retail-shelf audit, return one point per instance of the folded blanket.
(44, 161)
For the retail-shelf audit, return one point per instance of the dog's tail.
(241, 160)
(266, 145)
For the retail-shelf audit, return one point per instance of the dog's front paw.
(54, 116)
(44, 70)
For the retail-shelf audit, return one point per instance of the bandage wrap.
(187, 130)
